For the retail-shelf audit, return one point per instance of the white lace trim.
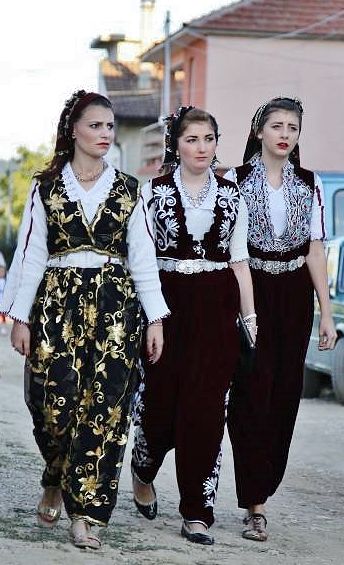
(209, 201)
(75, 191)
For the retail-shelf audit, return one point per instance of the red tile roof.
(299, 18)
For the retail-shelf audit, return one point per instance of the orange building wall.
(195, 68)
(242, 73)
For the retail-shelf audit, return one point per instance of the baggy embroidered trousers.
(182, 398)
(80, 381)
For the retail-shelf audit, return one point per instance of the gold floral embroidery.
(116, 332)
(91, 314)
(126, 202)
(115, 416)
(56, 202)
(67, 331)
(89, 484)
(50, 415)
(44, 351)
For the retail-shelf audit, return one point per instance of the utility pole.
(167, 67)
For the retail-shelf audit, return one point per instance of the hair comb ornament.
(70, 105)
(172, 124)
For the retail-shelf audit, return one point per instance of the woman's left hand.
(327, 333)
(155, 342)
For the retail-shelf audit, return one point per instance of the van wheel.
(311, 383)
(338, 371)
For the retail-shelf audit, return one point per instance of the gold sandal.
(48, 516)
(83, 539)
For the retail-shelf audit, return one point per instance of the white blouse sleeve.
(142, 262)
(29, 261)
(238, 242)
(318, 230)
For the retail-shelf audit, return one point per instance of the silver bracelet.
(249, 317)
(155, 322)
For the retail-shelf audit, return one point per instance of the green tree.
(14, 186)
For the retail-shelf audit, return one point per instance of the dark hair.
(254, 145)
(196, 115)
(71, 113)
(176, 124)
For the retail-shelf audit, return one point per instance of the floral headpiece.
(172, 126)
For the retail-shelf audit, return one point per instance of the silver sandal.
(255, 527)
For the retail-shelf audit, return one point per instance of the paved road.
(306, 516)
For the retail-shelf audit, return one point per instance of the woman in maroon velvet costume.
(287, 260)
(200, 226)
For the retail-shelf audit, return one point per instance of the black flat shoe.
(149, 510)
(196, 537)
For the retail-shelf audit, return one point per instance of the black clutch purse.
(247, 348)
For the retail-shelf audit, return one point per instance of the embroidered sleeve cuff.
(239, 259)
(154, 305)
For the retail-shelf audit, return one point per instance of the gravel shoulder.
(305, 517)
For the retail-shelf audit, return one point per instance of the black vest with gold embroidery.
(172, 239)
(68, 228)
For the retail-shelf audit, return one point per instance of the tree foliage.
(14, 185)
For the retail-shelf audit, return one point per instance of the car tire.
(338, 371)
(311, 383)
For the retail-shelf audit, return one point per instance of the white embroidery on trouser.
(211, 483)
(138, 406)
(140, 450)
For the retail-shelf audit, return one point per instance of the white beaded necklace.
(197, 200)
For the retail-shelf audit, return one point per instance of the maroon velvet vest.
(172, 239)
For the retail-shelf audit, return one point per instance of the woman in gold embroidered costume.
(84, 262)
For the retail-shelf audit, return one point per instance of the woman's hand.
(327, 333)
(154, 341)
(20, 338)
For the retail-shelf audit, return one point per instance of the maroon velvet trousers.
(183, 402)
(263, 405)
